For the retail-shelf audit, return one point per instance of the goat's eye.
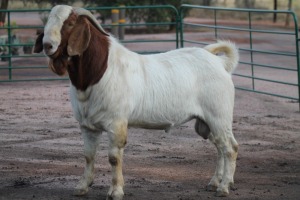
(70, 24)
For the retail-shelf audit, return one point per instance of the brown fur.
(38, 46)
(113, 160)
(86, 68)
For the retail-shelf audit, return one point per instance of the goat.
(113, 88)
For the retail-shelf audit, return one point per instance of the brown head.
(69, 40)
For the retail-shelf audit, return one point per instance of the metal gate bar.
(7, 71)
(214, 26)
(8, 68)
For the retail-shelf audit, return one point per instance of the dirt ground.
(41, 151)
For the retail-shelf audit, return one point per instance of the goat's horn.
(82, 11)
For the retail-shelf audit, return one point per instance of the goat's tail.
(231, 56)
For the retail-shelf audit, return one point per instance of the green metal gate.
(16, 65)
(269, 54)
(276, 62)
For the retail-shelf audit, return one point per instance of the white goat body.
(165, 90)
(157, 91)
(148, 91)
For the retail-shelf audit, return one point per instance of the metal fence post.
(122, 20)
(298, 67)
(177, 29)
(181, 27)
(9, 47)
(251, 49)
(115, 22)
(297, 54)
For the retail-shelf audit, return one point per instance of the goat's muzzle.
(48, 48)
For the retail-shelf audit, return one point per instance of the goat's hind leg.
(91, 140)
(204, 131)
(217, 177)
(230, 152)
(227, 154)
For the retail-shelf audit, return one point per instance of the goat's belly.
(158, 123)
(147, 125)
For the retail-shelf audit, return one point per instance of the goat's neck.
(87, 69)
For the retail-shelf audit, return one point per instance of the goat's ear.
(79, 38)
(38, 46)
(59, 65)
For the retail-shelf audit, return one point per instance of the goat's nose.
(47, 46)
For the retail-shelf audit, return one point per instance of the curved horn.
(82, 11)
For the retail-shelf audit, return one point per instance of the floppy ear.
(79, 38)
(59, 65)
(38, 46)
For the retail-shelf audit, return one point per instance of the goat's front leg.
(91, 140)
(117, 139)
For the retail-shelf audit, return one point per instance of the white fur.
(161, 91)
(54, 24)
(156, 91)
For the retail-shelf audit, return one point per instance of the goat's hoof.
(114, 197)
(232, 187)
(222, 193)
(211, 188)
(81, 192)
(115, 194)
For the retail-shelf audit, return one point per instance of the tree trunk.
(287, 20)
(275, 14)
(206, 2)
(250, 3)
(4, 5)
(245, 3)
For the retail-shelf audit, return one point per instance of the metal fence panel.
(269, 54)
(19, 34)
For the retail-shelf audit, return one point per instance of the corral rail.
(269, 54)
